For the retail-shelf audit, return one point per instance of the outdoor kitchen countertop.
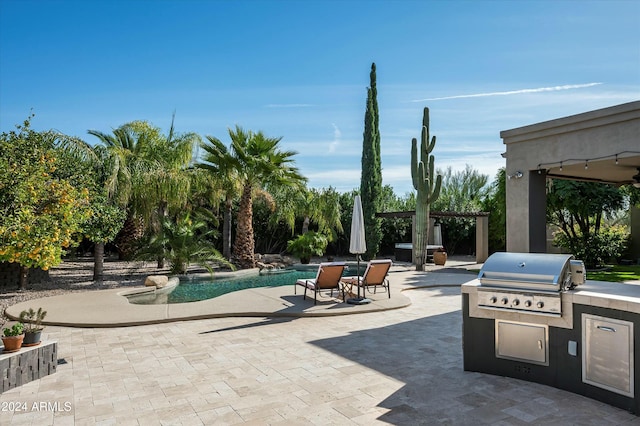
(628, 291)
(620, 296)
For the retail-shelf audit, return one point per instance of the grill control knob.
(540, 305)
(527, 303)
(504, 300)
(516, 302)
(493, 299)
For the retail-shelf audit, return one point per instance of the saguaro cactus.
(428, 190)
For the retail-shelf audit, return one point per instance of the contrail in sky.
(288, 105)
(514, 92)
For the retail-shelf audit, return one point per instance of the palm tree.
(183, 241)
(121, 153)
(321, 207)
(257, 163)
(149, 172)
(163, 183)
(221, 163)
(122, 149)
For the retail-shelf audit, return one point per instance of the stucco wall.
(594, 134)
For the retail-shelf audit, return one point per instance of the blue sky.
(300, 69)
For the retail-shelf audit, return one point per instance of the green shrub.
(182, 241)
(306, 245)
(596, 249)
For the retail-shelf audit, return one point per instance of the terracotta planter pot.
(12, 343)
(32, 338)
(440, 257)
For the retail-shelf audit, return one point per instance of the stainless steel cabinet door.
(607, 354)
(522, 342)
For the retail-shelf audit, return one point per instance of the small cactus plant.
(428, 189)
(32, 320)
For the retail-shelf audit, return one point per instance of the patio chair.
(327, 278)
(375, 275)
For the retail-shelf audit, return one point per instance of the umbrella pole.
(358, 275)
(357, 246)
(358, 300)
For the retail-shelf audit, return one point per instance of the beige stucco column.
(482, 238)
(526, 210)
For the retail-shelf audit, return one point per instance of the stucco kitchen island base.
(570, 347)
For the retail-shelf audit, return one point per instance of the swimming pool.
(194, 291)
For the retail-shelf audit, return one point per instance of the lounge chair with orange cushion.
(327, 278)
(375, 275)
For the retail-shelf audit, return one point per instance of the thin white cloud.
(513, 92)
(336, 131)
(335, 174)
(288, 105)
(343, 180)
(337, 134)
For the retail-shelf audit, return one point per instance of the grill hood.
(532, 271)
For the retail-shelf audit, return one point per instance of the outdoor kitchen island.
(587, 348)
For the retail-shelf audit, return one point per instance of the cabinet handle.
(604, 328)
(540, 344)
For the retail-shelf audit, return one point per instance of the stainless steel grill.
(528, 282)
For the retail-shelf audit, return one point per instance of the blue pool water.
(193, 291)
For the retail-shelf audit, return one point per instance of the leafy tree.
(578, 209)
(39, 211)
(597, 249)
(371, 178)
(258, 163)
(495, 202)
(395, 230)
(461, 191)
(632, 193)
(106, 218)
(101, 227)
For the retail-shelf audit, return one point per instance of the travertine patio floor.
(400, 366)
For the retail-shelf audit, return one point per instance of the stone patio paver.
(401, 366)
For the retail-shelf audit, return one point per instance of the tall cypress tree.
(371, 177)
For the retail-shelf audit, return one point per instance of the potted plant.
(12, 337)
(33, 327)
(440, 256)
(306, 245)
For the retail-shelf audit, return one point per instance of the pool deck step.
(110, 308)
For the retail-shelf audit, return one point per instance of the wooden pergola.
(482, 227)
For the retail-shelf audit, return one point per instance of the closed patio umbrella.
(437, 234)
(357, 244)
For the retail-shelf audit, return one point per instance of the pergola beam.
(482, 227)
